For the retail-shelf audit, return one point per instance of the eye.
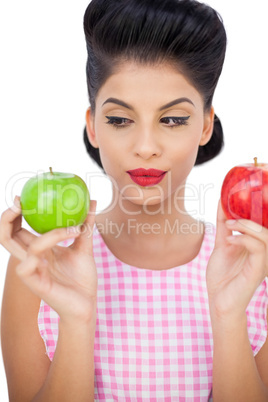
(175, 121)
(118, 122)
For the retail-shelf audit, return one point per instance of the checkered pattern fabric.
(153, 338)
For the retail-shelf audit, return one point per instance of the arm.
(30, 374)
(66, 279)
(71, 372)
(237, 266)
(236, 374)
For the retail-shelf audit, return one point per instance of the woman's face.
(148, 117)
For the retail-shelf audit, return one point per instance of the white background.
(43, 99)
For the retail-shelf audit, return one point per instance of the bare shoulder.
(23, 349)
(262, 361)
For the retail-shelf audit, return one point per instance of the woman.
(148, 304)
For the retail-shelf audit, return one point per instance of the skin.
(67, 280)
(147, 140)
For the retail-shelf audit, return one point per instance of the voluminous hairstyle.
(185, 33)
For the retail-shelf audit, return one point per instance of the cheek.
(108, 149)
(108, 158)
(185, 149)
(184, 155)
(111, 155)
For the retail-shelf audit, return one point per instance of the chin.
(150, 199)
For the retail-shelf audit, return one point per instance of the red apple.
(244, 193)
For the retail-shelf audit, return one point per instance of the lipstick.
(147, 177)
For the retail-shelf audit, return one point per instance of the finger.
(254, 246)
(15, 248)
(27, 266)
(12, 235)
(221, 230)
(243, 286)
(51, 239)
(9, 219)
(249, 227)
(25, 237)
(257, 254)
(84, 241)
(17, 224)
(29, 272)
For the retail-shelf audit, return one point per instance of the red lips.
(146, 177)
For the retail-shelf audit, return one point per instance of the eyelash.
(120, 122)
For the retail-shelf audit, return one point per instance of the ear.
(91, 128)
(208, 127)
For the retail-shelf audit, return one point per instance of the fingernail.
(230, 222)
(16, 207)
(17, 201)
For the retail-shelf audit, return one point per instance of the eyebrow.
(170, 104)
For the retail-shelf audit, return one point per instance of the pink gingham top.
(153, 338)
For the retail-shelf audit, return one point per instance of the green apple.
(54, 200)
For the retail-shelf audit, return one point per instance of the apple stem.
(51, 172)
(256, 162)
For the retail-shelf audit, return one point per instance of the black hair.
(186, 33)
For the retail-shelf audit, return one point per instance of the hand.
(237, 266)
(64, 277)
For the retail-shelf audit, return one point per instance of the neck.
(142, 223)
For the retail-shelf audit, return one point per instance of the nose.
(147, 144)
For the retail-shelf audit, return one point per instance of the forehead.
(160, 81)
